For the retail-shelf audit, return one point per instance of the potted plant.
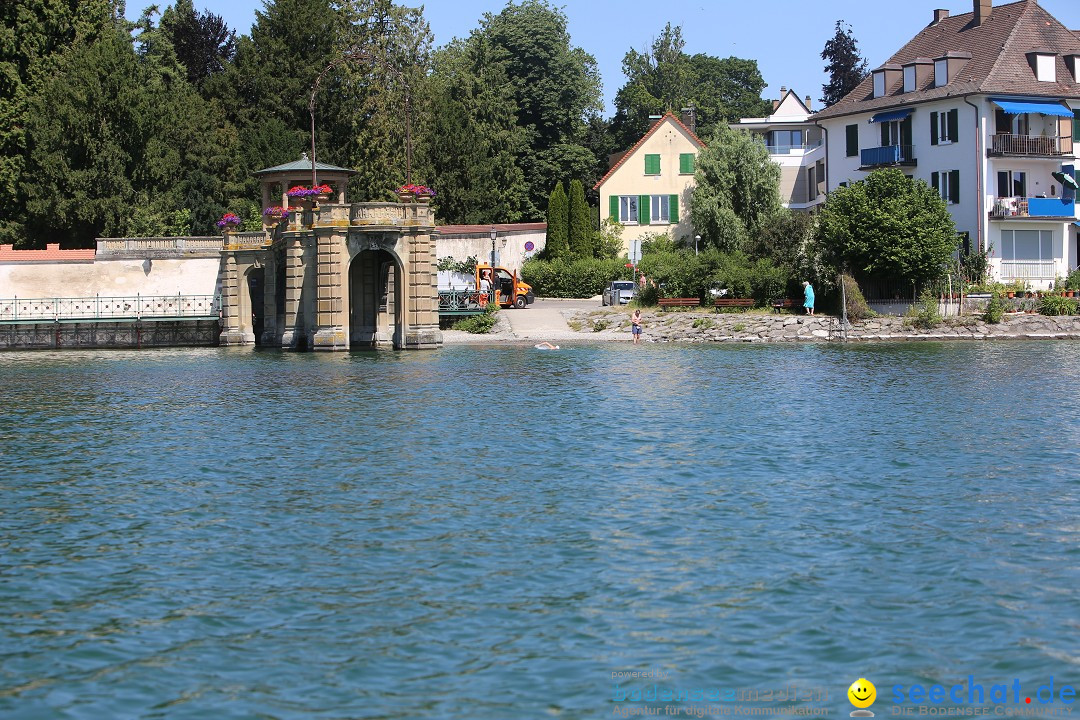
(412, 192)
(322, 193)
(274, 215)
(229, 222)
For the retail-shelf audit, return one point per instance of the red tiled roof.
(645, 137)
(51, 253)
(486, 229)
(998, 64)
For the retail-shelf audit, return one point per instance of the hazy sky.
(784, 36)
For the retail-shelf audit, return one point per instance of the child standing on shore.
(635, 325)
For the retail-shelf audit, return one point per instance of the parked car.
(619, 292)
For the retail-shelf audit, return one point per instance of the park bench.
(733, 302)
(679, 302)
(785, 304)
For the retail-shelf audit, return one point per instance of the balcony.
(791, 149)
(1030, 146)
(1019, 207)
(1037, 270)
(888, 155)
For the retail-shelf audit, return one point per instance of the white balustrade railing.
(116, 246)
(133, 307)
(1028, 270)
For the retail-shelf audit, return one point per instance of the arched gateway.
(333, 275)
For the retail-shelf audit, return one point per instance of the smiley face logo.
(862, 694)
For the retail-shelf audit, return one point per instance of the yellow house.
(648, 188)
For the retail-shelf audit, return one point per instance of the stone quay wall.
(140, 334)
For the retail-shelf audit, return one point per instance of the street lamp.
(494, 236)
(697, 239)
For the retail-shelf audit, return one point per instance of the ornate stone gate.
(334, 275)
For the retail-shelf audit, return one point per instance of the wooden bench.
(679, 302)
(785, 304)
(733, 302)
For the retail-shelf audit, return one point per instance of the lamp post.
(697, 239)
(494, 237)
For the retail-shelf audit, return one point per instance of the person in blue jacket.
(808, 292)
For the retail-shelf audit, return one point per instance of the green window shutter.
(613, 206)
(906, 132)
(935, 182)
(1076, 129)
(652, 164)
(954, 125)
(852, 140)
(673, 209)
(686, 163)
(933, 128)
(644, 206)
(954, 186)
(885, 135)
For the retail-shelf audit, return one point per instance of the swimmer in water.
(546, 346)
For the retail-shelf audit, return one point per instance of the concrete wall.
(510, 251)
(111, 277)
(42, 336)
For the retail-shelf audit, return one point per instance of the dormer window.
(879, 84)
(941, 72)
(1046, 67)
(909, 78)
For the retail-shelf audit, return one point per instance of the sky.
(784, 36)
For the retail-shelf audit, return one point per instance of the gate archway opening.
(254, 312)
(376, 300)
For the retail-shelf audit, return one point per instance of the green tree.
(558, 231)
(581, 233)
(887, 227)
(203, 42)
(845, 66)
(737, 190)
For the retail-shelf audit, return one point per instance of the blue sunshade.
(891, 115)
(1017, 107)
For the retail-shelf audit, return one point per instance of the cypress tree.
(846, 67)
(558, 215)
(581, 232)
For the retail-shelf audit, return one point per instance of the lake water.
(493, 532)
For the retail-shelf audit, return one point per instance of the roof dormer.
(1044, 63)
(1073, 63)
(917, 73)
(885, 77)
(948, 66)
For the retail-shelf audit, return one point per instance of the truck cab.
(510, 291)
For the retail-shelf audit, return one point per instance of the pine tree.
(581, 231)
(845, 66)
(558, 215)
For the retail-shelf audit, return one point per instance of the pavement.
(546, 319)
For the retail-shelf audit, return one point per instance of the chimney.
(808, 102)
(982, 10)
(775, 104)
(940, 15)
(783, 91)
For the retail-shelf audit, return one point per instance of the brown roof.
(999, 62)
(486, 229)
(646, 136)
(51, 253)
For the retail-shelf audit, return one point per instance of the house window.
(628, 209)
(686, 163)
(947, 184)
(890, 133)
(941, 73)
(1046, 68)
(1008, 124)
(784, 141)
(652, 164)
(1012, 183)
(879, 84)
(1027, 244)
(852, 133)
(944, 127)
(811, 184)
(909, 79)
(659, 209)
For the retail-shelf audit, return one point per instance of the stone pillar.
(331, 326)
(422, 306)
(232, 332)
(295, 272)
(268, 260)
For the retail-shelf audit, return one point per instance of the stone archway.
(254, 309)
(376, 300)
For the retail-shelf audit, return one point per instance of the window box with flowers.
(319, 193)
(415, 193)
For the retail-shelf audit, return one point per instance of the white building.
(796, 144)
(980, 106)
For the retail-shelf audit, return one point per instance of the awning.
(1018, 107)
(891, 115)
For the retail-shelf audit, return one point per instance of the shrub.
(924, 314)
(1072, 281)
(1057, 305)
(578, 279)
(857, 309)
(466, 267)
(995, 310)
(479, 324)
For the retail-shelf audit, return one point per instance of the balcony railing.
(888, 155)
(1028, 270)
(788, 149)
(1006, 144)
(1013, 207)
(122, 246)
(87, 309)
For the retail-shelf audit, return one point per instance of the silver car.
(619, 292)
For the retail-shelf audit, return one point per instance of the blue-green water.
(492, 532)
